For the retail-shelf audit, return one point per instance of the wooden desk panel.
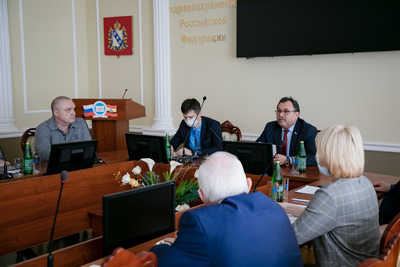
(75, 255)
(27, 207)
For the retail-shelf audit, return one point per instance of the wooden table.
(84, 195)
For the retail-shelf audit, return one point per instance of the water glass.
(274, 191)
(18, 167)
(269, 188)
(295, 163)
(285, 188)
(36, 164)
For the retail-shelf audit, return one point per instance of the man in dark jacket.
(289, 127)
(234, 228)
(205, 135)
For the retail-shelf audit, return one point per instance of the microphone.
(124, 93)
(95, 159)
(216, 135)
(87, 126)
(282, 143)
(63, 176)
(188, 159)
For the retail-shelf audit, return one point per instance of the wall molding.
(7, 121)
(11, 134)
(393, 148)
(75, 49)
(98, 47)
(25, 87)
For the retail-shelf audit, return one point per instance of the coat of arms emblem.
(118, 36)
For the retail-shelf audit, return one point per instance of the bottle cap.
(301, 141)
(277, 161)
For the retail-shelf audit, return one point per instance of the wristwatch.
(162, 242)
(287, 162)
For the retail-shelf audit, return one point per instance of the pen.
(302, 200)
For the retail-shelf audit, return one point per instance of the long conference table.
(27, 205)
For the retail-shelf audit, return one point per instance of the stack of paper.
(308, 190)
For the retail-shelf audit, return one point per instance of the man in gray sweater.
(62, 127)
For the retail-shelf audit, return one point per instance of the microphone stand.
(64, 175)
(189, 159)
(280, 148)
(124, 93)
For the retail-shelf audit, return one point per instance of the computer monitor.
(71, 156)
(255, 157)
(146, 146)
(138, 215)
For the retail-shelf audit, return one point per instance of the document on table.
(308, 190)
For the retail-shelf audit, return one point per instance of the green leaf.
(186, 192)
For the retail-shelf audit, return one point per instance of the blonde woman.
(342, 217)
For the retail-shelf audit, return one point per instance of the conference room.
(172, 59)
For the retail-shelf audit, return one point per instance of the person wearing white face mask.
(205, 135)
(341, 218)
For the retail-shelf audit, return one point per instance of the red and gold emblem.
(118, 36)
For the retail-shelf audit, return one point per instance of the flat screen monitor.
(146, 146)
(255, 157)
(71, 156)
(308, 27)
(138, 215)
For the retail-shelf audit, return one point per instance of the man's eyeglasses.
(286, 112)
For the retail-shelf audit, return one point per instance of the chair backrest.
(392, 228)
(389, 255)
(230, 132)
(29, 136)
(123, 258)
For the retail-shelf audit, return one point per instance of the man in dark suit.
(205, 136)
(235, 228)
(288, 123)
(390, 205)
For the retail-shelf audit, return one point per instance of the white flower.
(125, 179)
(149, 162)
(137, 170)
(174, 164)
(196, 174)
(182, 207)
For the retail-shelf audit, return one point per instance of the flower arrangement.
(185, 192)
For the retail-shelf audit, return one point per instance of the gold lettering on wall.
(203, 22)
(203, 6)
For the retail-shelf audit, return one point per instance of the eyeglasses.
(286, 112)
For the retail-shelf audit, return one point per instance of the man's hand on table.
(281, 158)
(381, 186)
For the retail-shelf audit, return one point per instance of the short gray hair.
(56, 101)
(222, 176)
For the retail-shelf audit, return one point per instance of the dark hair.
(190, 104)
(294, 102)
